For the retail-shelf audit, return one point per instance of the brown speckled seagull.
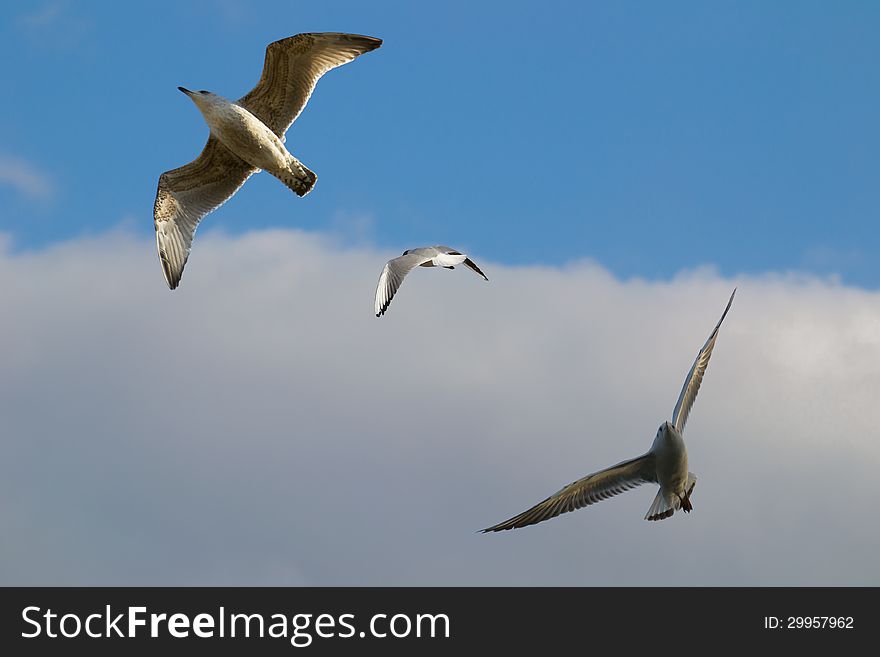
(247, 135)
(665, 463)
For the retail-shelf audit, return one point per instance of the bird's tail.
(665, 504)
(449, 259)
(298, 178)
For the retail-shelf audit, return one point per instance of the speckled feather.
(185, 195)
(291, 70)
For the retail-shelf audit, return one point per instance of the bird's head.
(203, 99)
(666, 431)
(661, 440)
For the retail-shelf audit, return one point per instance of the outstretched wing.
(392, 276)
(187, 194)
(293, 67)
(589, 490)
(695, 376)
(470, 264)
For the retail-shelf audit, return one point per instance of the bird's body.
(240, 131)
(671, 470)
(440, 256)
(247, 135)
(252, 140)
(396, 269)
(666, 464)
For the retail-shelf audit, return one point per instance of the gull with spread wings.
(397, 268)
(247, 135)
(666, 464)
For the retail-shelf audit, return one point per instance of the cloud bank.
(261, 426)
(24, 178)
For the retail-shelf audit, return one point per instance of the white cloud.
(351, 229)
(25, 178)
(827, 258)
(55, 25)
(260, 426)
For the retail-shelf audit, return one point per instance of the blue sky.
(615, 169)
(648, 137)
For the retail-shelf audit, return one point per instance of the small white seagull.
(247, 135)
(666, 463)
(427, 256)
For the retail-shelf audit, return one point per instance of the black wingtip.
(729, 304)
(373, 42)
(367, 43)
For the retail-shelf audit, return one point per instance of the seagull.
(247, 135)
(426, 256)
(666, 463)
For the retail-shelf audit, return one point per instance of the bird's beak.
(186, 91)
